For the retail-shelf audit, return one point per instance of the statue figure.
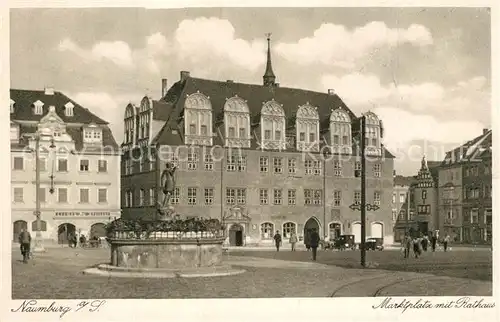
(168, 182)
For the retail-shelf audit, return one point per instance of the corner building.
(259, 157)
(79, 162)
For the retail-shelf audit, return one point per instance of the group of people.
(421, 244)
(311, 240)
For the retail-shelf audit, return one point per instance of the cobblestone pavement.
(58, 274)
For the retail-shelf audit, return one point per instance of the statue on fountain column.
(168, 186)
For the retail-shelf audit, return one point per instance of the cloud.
(333, 44)
(117, 52)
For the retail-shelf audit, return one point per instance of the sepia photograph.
(223, 153)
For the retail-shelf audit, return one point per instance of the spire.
(424, 163)
(269, 76)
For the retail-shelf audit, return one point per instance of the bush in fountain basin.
(144, 229)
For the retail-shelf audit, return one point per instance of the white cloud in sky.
(117, 52)
(333, 44)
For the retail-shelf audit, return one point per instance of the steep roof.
(255, 96)
(23, 107)
(404, 181)
(473, 150)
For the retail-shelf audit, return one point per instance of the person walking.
(314, 242)
(407, 245)
(277, 240)
(445, 242)
(307, 240)
(433, 242)
(25, 242)
(425, 242)
(416, 246)
(293, 240)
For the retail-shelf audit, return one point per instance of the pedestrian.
(293, 240)
(445, 242)
(314, 242)
(416, 246)
(433, 242)
(407, 245)
(425, 242)
(307, 240)
(25, 242)
(277, 240)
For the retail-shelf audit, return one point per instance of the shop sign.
(83, 214)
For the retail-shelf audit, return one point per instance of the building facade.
(261, 158)
(78, 163)
(402, 210)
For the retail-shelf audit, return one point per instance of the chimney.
(164, 87)
(485, 131)
(331, 91)
(49, 90)
(184, 75)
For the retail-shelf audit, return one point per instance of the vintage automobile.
(344, 242)
(373, 243)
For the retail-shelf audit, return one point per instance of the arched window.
(266, 230)
(340, 131)
(129, 123)
(335, 230)
(236, 123)
(198, 120)
(272, 124)
(288, 229)
(307, 127)
(43, 225)
(372, 140)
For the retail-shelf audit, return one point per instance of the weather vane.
(268, 35)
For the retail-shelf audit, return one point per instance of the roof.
(404, 180)
(23, 107)
(255, 96)
(473, 150)
(24, 100)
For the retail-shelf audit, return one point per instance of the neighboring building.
(400, 209)
(252, 155)
(465, 181)
(79, 162)
(425, 219)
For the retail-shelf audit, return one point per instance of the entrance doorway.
(311, 224)
(236, 235)
(98, 230)
(356, 231)
(335, 230)
(64, 231)
(423, 227)
(19, 225)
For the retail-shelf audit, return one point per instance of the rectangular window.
(278, 165)
(192, 161)
(204, 130)
(152, 196)
(292, 165)
(474, 216)
(317, 168)
(230, 196)
(18, 194)
(376, 198)
(192, 196)
(62, 195)
(337, 168)
(402, 197)
(278, 196)
(102, 195)
(84, 195)
(277, 135)
(242, 133)
(402, 214)
(292, 196)
(312, 138)
(209, 162)
(176, 197)
(241, 196)
(318, 194)
(345, 140)
(302, 136)
(230, 132)
(242, 163)
(231, 163)
(192, 129)
(394, 214)
(264, 196)
(267, 134)
(84, 165)
(308, 196)
(42, 164)
(357, 197)
(128, 167)
(308, 165)
(377, 170)
(336, 140)
(424, 194)
(141, 196)
(209, 196)
(337, 198)
(393, 198)
(357, 169)
(18, 163)
(264, 164)
(102, 166)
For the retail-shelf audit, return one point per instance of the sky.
(426, 72)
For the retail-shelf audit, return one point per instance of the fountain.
(166, 247)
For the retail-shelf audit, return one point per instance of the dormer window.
(12, 106)
(373, 144)
(272, 124)
(236, 122)
(38, 107)
(340, 131)
(92, 135)
(68, 109)
(307, 127)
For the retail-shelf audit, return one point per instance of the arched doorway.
(64, 231)
(236, 235)
(18, 226)
(356, 231)
(311, 224)
(98, 230)
(335, 230)
(377, 230)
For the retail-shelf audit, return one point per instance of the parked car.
(344, 242)
(374, 243)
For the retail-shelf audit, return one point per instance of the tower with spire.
(424, 177)
(269, 77)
